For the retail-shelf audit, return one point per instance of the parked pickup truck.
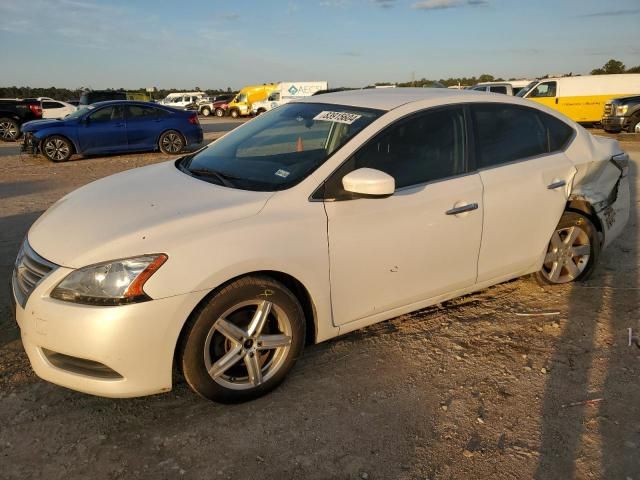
(622, 114)
(15, 112)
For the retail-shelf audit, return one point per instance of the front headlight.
(111, 283)
(621, 110)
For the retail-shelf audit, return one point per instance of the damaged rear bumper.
(605, 186)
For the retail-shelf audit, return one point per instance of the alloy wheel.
(172, 143)
(248, 344)
(56, 149)
(9, 131)
(567, 256)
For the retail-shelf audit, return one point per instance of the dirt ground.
(489, 386)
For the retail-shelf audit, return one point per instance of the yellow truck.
(581, 98)
(241, 104)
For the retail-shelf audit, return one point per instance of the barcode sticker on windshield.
(340, 117)
(282, 173)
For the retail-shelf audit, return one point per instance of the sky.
(232, 43)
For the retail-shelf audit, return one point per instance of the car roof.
(390, 98)
(127, 102)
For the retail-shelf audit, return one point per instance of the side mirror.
(369, 182)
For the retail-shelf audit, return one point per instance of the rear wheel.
(9, 130)
(57, 148)
(206, 111)
(572, 252)
(171, 142)
(241, 344)
(219, 112)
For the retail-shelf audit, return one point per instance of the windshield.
(526, 89)
(80, 112)
(280, 148)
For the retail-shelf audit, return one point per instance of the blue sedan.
(113, 127)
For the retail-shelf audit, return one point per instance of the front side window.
(106, 114)
(47, 105)
(546, 89)
(506, 133)
(280, 148)
(425, 147)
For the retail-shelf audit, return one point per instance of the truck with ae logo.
(285, 92)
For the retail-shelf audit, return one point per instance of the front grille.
(29, 270)
(608, 109)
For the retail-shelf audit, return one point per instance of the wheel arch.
(296, 286)
(585, 208)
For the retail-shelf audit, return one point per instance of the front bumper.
(615, 124)
(615, 216)
(123, 351)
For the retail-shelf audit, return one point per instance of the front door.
(103, 131)
(422, 241)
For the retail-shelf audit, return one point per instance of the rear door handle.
(464, 208)
(556, 184)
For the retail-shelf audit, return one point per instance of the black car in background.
(13, 113)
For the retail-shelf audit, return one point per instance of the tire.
(9, 130)
(219, 112)
(171, 142)
(206, 111)
(260, 111)
(573, 251)
(232, 355)
(57, 148)
(234, 113)
(634, 126)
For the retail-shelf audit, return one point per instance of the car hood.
(152, 209)
(35, 125)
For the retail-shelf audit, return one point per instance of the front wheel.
(57, 148)
(219, 112)
(634, 126)
(234, 113)
(205, 111)
(572, 252)
(171, 142)
(243, 341)
(9, 130)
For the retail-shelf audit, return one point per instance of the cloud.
(384, 3)
(612, 13)
(447, 4)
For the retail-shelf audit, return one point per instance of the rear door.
(103, 131)
(144, 125)
(525, 174)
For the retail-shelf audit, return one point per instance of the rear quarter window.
(559, 134)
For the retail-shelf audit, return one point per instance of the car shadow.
(591, 394)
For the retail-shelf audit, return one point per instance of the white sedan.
(318, 218)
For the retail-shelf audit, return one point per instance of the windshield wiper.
(224, 180)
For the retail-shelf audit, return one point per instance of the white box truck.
(285, 92)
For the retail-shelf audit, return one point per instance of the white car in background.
(320, 217)
(55, 108)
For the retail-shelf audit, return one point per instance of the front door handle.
(464, 208)
(556, 184)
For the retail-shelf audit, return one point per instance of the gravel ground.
(489, 386)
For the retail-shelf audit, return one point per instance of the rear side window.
(505, 133)
(46, 105)
(558, 133)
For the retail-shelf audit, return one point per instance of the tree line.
(613, 66)
(74, 94)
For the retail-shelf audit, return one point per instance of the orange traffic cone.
(299, 145)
